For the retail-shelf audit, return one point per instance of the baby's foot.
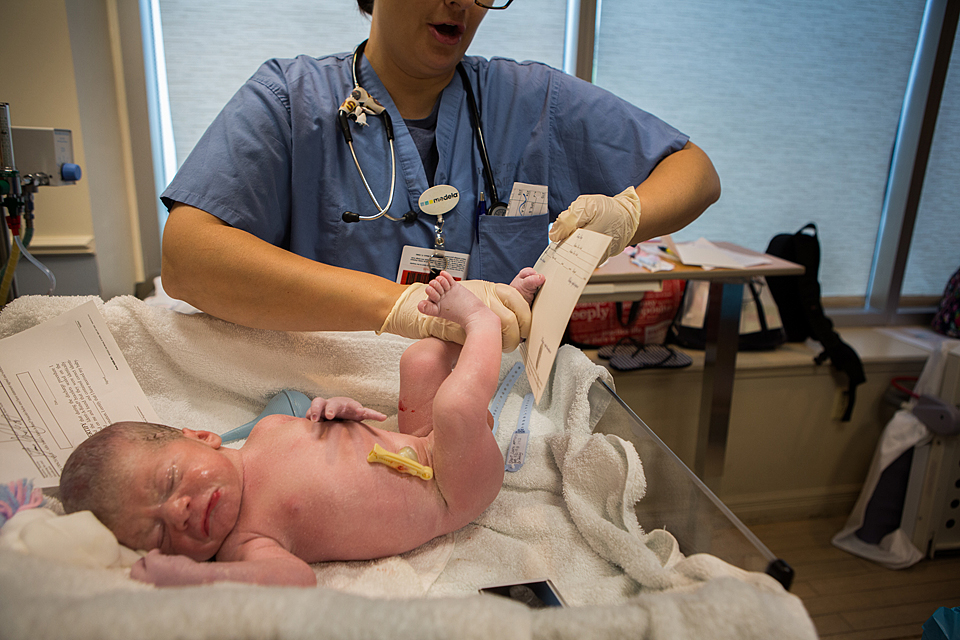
(448, 300)
(527, 283)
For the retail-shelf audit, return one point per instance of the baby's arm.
(266, 563)
(342, 408)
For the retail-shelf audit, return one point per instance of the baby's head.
(156, 487)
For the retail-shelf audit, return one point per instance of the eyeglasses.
(493, 4)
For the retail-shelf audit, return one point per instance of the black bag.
(760, 326)
(947, 318)
(798, 298)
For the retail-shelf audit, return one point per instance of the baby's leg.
(423, 368)
(467, 463)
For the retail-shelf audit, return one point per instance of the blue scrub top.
(274, 163)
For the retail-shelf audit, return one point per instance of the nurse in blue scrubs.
(256, 233)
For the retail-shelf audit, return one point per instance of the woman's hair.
(366, 6)
(92, 477)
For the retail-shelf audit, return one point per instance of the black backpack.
(798, 299)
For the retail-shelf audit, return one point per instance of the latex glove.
(505, 301)
(616, 216)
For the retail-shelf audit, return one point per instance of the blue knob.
(70, 172)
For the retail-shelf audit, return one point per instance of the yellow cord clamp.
(404, 462)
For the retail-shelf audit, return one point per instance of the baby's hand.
(167, 571)
(342, 408)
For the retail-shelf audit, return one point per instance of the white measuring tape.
(517, 450)
(500, 398)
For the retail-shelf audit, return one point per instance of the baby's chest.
(325, 507)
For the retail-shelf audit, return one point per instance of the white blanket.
(566, 515)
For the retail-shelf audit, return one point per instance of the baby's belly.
(349, 509)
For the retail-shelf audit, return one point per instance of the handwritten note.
(567, 266)
(61, 382)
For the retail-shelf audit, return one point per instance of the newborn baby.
(302, 490)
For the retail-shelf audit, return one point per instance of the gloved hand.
(616, 216)
(514, 312)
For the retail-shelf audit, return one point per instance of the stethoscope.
(360, 104)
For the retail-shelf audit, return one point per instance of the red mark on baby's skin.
(402, 406)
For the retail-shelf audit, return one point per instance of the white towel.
(567, 514)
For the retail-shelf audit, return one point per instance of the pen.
(481, 211)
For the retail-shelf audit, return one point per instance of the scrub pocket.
(508, 244)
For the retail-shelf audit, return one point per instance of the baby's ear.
(206, 437)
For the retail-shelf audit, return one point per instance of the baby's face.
(182, 498)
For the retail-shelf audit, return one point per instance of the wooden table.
(620, 279)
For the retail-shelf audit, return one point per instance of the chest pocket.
(508, 244)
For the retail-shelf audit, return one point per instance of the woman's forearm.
(237, 277)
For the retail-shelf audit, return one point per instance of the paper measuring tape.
(503, 392)
(517, 449)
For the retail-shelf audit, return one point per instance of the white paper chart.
(527, 200)
(61, 382)
(567, 266)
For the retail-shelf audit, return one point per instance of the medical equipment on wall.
(361, 104)
(46, 159)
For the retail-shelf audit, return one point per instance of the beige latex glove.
(616, 216)
(514, 312)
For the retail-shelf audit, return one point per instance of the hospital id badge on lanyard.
(418, 264)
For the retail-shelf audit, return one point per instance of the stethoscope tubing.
(388, 127)
(475, 116)
(381, 211)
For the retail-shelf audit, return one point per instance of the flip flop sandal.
(650, 356)
(624, 346)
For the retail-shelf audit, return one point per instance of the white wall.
(62, 67)
(37, 79)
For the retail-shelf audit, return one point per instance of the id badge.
(416, 264)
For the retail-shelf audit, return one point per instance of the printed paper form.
(527, 200)
(61, 382)
(567, 267)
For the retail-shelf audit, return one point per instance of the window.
(935, 246)
(797, 104)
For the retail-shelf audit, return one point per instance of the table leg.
(720, 360)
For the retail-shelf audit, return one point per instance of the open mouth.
(448, 33)
(214, 499)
